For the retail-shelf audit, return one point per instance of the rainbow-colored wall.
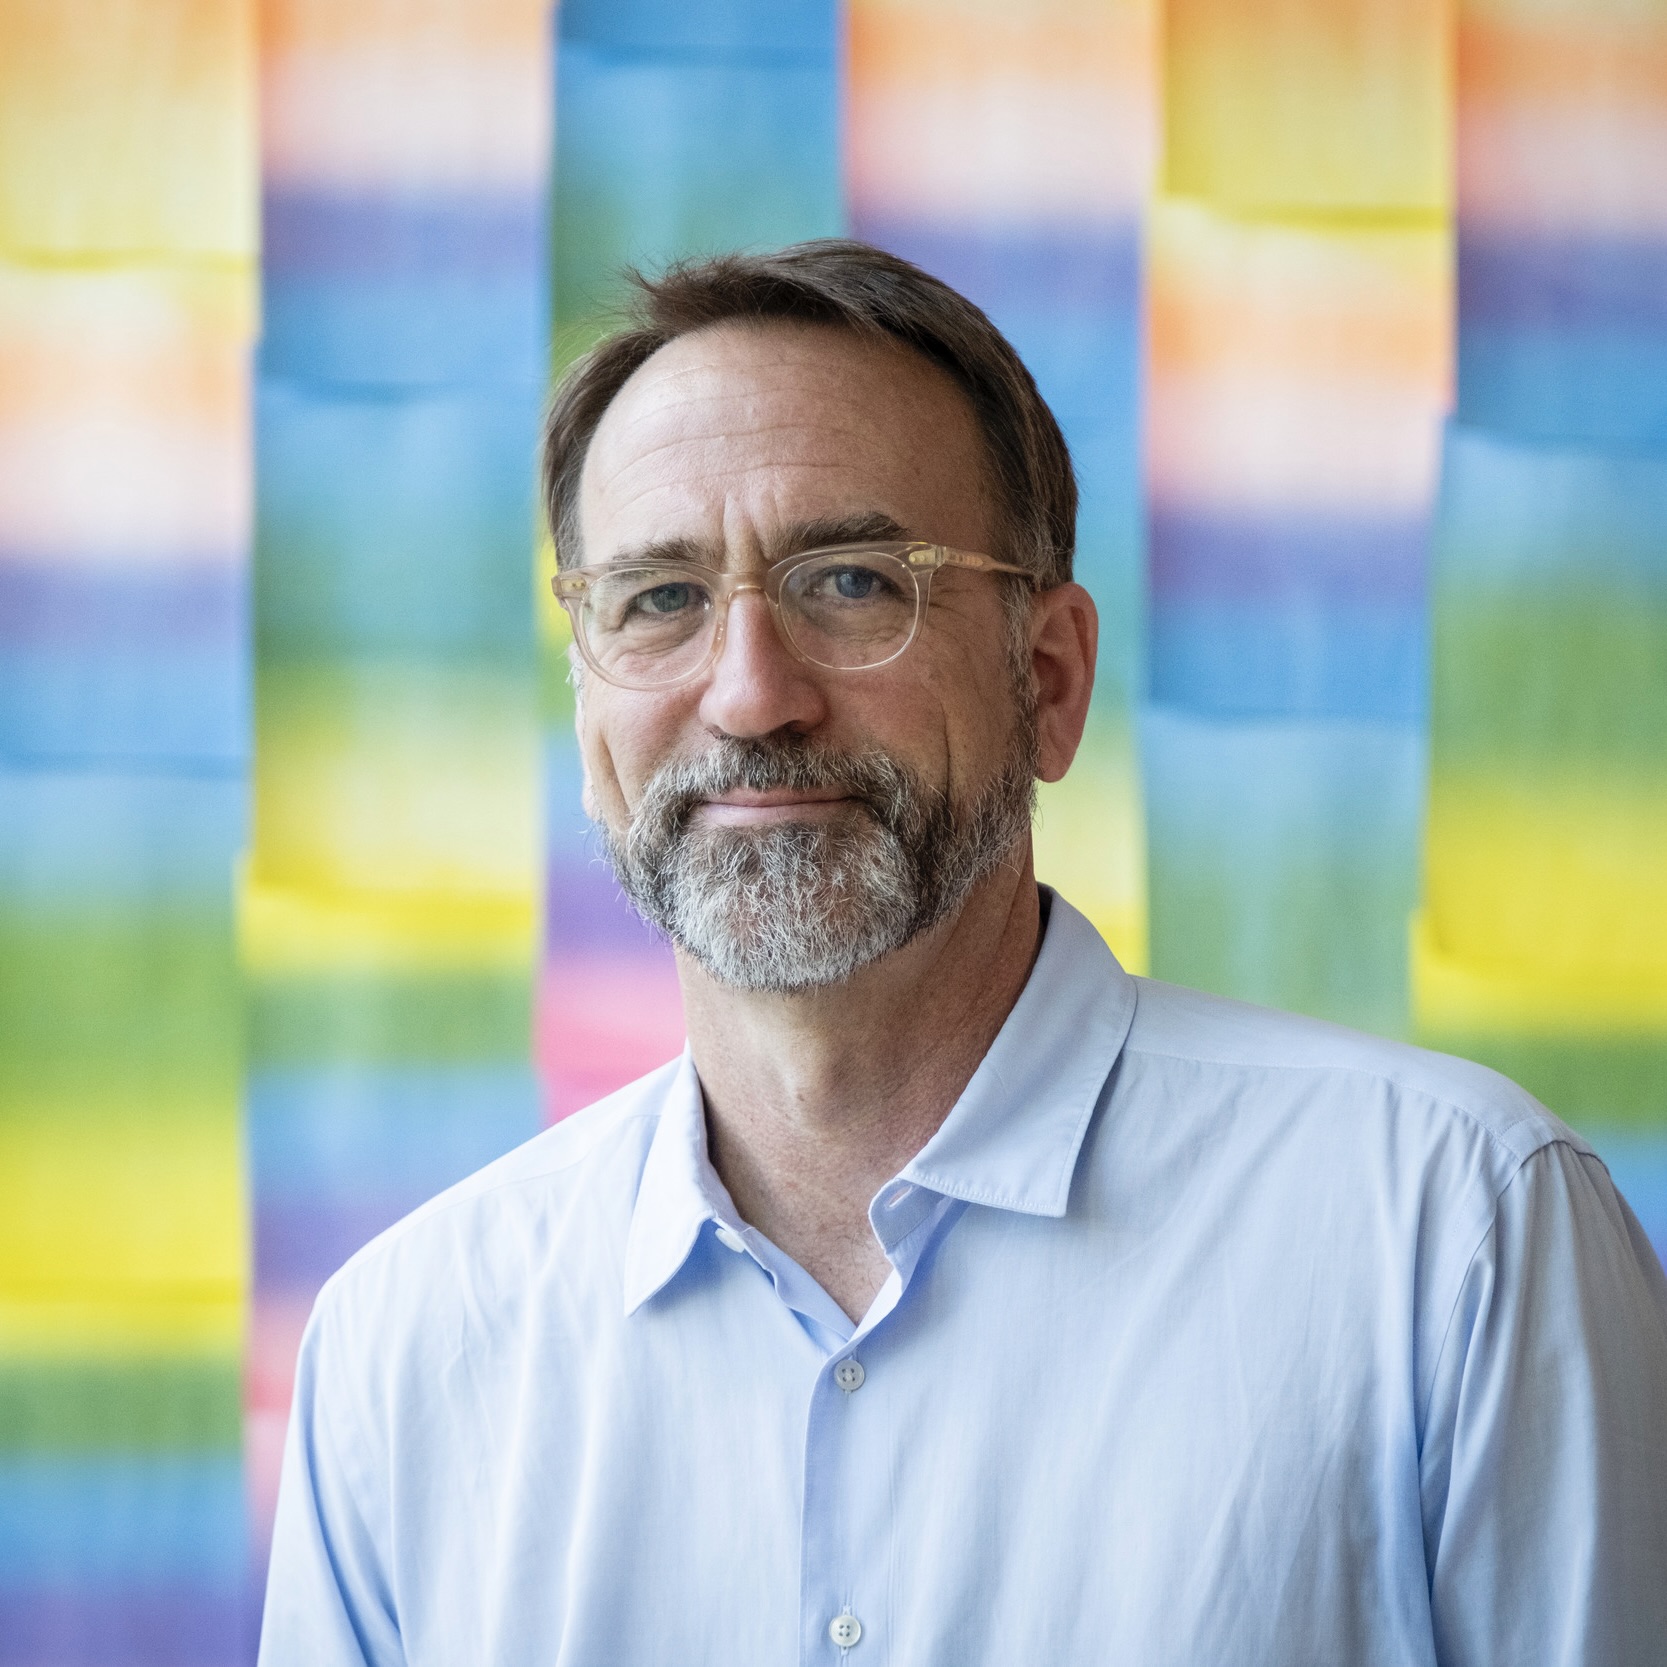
(1541, 946)
(1382, 725)
(1299, 370)
(127, 309)
(389, 903)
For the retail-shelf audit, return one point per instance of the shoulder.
(1331, 1161)
(563, 1198)
(1271, 1059)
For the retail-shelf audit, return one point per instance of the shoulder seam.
(445, 1202)
(1493, 1136)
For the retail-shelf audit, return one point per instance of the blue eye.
(664, 599)
(855, 584)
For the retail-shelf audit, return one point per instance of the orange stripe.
(463, 26)
(1112, 46)
(1587, 63)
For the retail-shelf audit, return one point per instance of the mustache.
(763, 764)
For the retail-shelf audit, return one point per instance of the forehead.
(731, 432)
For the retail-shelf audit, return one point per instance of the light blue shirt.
(1212, 1336)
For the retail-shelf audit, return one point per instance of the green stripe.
(120, 1406)
(1543, 678)
(1586, 1080)
(383, 1018)
(131, 1003)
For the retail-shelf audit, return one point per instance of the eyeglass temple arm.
(934, 556)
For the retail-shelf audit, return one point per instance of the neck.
(814, 1100)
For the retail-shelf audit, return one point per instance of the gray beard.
(795, 906)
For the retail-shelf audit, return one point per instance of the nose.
(756, 685)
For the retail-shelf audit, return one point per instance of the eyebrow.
(843, 529)
(861, 528)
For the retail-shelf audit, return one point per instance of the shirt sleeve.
(1544, 1463)
(328, 1602)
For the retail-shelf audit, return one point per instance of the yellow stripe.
(1566, 877)
(282, 930)
(1454, 995)
(114, 1197)
(393, 779)
(99, 1325)
(128, 127)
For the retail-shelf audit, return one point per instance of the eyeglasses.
(849, 607)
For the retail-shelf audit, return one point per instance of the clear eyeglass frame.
(574, 586)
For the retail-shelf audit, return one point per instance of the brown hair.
(851, 286)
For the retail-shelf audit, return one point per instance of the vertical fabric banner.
(388, 916)
(1542, 944)
(127, 222)
(1299, 302)
(681, 130)
(1008, 150)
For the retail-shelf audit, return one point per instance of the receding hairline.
(869, 294)
(883, 344)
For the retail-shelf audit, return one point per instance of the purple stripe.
(1092, 268)
(77, 1626)
(1270, 558)
(1606, 283)
(374, 236)
(585, 910)
(50, 605)
(300, 1244)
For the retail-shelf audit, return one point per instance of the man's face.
(784, 822)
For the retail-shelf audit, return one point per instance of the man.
(956, 1297)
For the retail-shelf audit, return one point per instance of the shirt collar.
(1010, 1142)
(672, 1198)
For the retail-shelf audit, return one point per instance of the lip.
(741, 806)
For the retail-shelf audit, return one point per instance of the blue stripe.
(393, 525)
(100, 838)
(407, 291)
(727, 28)
(1283, 860)
(403, 1133)
(164, 1518)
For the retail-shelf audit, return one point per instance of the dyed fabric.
(126, 313)
(576, 1407)
(1542, 942)
(388, 909)
(1298, 329)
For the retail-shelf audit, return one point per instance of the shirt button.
(849, 1375)
(730, 1239)
(845, 1630)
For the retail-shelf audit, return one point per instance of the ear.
(1064, 641)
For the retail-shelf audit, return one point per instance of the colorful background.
(1355, 314)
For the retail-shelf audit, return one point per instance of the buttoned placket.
(1010, 1143)
(850, 1454)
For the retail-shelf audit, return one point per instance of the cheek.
(937, 723)
(969, 697)
(621, 744)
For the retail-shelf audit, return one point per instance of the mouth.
(744, 807)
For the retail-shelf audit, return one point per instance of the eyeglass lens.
(650, 626)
